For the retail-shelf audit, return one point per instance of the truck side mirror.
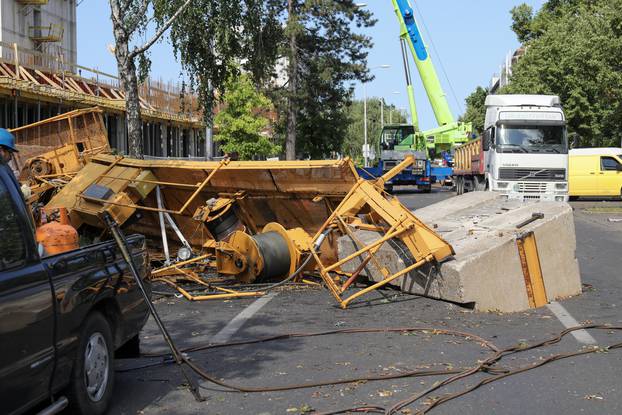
(486, 140)
(619, 167)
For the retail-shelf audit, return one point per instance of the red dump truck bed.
(469, 158)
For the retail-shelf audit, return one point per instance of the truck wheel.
(467, 185)
(459, 186)
(92, 379)
(426, 188)
(479, 185)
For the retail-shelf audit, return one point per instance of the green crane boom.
(410, 33)
(449, 133)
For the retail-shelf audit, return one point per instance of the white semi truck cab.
(525, 147)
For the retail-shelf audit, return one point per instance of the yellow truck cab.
(595, 172)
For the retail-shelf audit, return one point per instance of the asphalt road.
(588, 384)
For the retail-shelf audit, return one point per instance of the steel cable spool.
(274, 250)
(268, 255)
(224, 225)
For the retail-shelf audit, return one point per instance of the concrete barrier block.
(486, 270)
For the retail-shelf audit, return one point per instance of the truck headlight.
(561, 186)
(502, 185)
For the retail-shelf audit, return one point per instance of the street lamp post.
(366, 146)
(381, 112)
(365, 150)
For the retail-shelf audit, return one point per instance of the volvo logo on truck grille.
(532, 174)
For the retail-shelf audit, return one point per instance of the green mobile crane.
(449, 133)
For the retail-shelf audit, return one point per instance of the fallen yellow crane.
(255, 221)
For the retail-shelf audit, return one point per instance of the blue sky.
(472, 38)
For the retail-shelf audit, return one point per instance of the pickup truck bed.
(46, 304)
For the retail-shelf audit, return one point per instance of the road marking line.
(238, 321)
(582, 336)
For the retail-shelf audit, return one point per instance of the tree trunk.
(292, 107)
(129, 80)
(129, 84)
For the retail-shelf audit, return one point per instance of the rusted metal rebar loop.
(414, 373)
(488, 366)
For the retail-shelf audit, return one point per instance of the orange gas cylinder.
(58, 237)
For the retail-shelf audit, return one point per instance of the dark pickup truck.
(62, 317)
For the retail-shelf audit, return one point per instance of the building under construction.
(40, 78)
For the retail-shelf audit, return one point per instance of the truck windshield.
(394, 135)
(532, 139)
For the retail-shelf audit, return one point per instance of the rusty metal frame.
(198, 190)
(424, 245)
(229, 294)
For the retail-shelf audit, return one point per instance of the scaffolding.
(44, 34)
(34, 75)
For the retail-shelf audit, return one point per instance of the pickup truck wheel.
(90, 390)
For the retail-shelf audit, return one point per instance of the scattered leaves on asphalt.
(593, 397)
(304, 409)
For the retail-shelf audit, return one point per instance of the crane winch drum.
(271, 254)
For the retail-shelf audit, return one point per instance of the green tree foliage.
(315, 43)
(575, 51)
(324, 54)
(475, 109)
(352, 145)
(243, 121)
(212, 37)
(522, 20)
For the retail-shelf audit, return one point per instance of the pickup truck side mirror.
(619, 167)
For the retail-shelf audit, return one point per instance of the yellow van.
(595, 172)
